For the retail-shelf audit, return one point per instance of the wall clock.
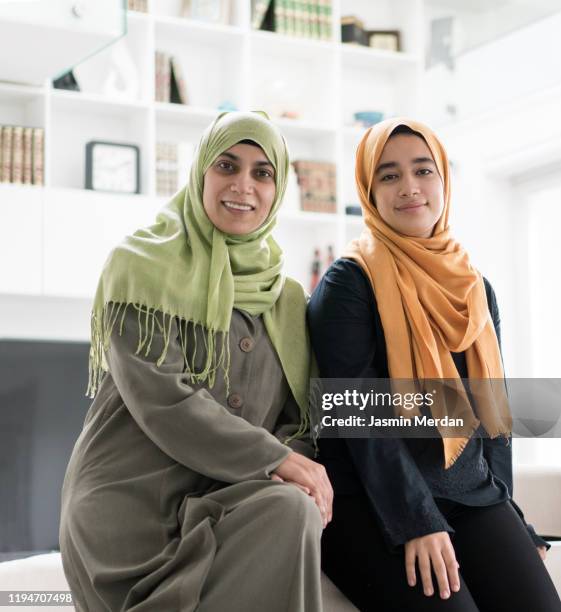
(112, 166)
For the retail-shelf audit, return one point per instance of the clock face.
(114, 168)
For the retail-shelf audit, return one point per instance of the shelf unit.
(324, 81)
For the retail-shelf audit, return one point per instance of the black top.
(404, 479)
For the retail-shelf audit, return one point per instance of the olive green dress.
(167, 503)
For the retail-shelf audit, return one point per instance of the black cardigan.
(403, 478)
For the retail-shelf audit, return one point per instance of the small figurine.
(330, 256)
(316, 270)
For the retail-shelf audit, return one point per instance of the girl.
(406, 303)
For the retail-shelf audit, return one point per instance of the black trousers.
(500, 568)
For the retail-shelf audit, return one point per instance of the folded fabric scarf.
(431, 300)
(182, 267)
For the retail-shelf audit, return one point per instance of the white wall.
(44, 318)
(506, 148)
(495, 74)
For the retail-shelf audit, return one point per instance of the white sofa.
(537, 491)
(44, 573)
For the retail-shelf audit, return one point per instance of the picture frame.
(386, 40)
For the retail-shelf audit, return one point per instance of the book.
(297, 18)
(313, 6)
(268, 23)
(171, 176)
(38, 142)
(158, 76)
(173, 165)
(163, 76)
(280, 16)
(6, 170)
(166, 168)
(352, 30)
(161, 169)
(178, 92)
(305, 18)
(317, 182)
(27, 177)
(140, 6)
(259, 10)
(325, 19)
(165, 63)
(17, 155)
(290, 17)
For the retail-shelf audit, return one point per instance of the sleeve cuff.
(538, 540)
(421, 526)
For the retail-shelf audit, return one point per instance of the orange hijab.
(430, 298)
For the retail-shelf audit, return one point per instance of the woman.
(405, 303)
(168, 501)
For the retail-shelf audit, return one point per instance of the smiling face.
(408, 190)
(239, 189)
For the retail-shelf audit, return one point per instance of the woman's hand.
(311, 478)
(542, 551)
(277, 478)
(434, 550)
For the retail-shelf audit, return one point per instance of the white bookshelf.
(73, 229)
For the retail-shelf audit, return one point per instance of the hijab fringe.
(302, 430)
(102, 326)
(461, 447)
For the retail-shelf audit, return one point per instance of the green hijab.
(182, 267)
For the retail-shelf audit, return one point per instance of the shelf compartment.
(297, 76)
(308, 236)
(406, 16)
(122, 70)
(367, 88)
(217, 80)
(22, 105)
(77, 119)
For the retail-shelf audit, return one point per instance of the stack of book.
(173, 163)
(170, 85)
(140, 6)
(318, 186)
(353, 31)
(306, 18)
(21, 155)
